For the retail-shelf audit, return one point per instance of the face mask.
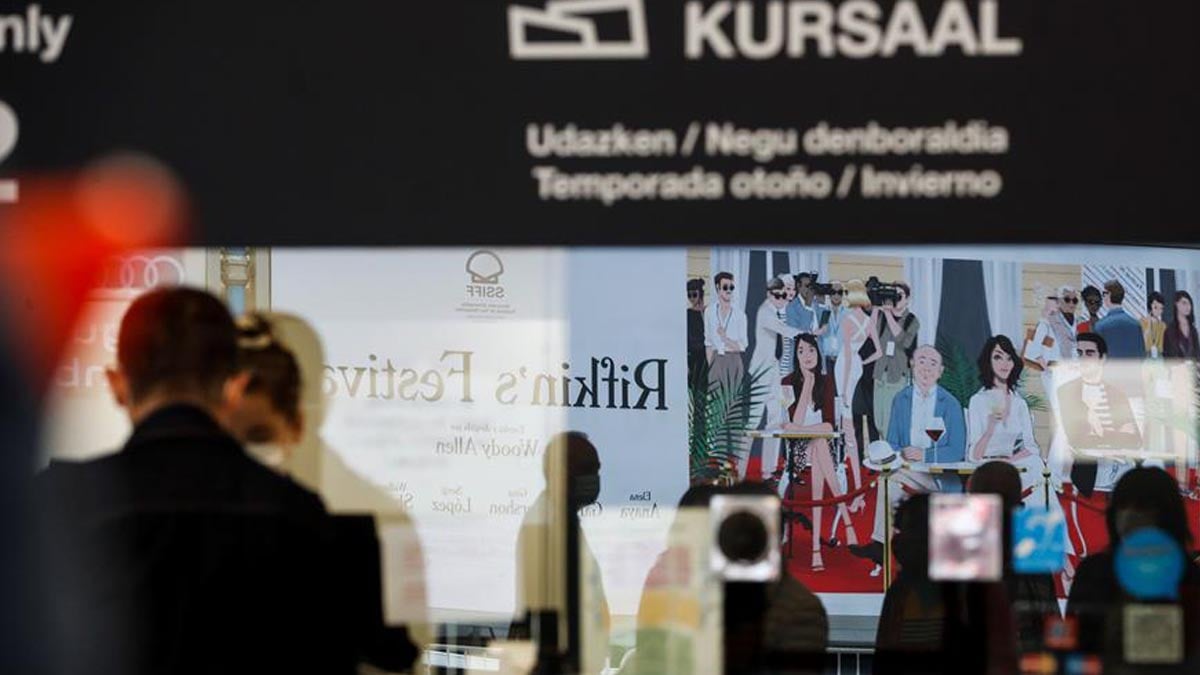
(271, 455)
(585, 490)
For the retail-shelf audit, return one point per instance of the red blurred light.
(55, 240)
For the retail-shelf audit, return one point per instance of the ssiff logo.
(574, 23)
(485, 268)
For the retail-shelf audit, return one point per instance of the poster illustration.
(851, 378)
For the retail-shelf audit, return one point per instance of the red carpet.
(845, 573)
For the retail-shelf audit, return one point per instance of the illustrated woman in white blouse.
(999, 424)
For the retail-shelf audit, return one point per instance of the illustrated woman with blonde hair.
(813, 410)
(857, 329)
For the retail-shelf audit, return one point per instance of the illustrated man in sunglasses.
(1092, 301)
(770, 332)
(1053, 340)
(725, 333)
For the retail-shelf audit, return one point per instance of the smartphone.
(965, 539)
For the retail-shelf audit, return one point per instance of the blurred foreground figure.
(777, 627)
(271, 422)
(181, 553)
(1100, 599)
(546, 602)
(929, 626)
(1032, 595)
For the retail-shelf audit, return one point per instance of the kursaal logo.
(760, 30)
(579, 29)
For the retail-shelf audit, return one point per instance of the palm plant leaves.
(718, 419)
(961, 376)
(1036, 403)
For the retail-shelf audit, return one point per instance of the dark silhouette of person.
(271, 422)
(1144, 497)
(181, 553)
(549, 533)
(776, 627)
(695, 331)
(1032, 595)
(927, 626)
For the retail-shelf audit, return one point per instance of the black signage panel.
(622, 121)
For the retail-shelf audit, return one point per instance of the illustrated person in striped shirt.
(1096, 415)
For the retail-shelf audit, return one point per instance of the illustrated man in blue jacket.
(1122, 332)
(920, 412)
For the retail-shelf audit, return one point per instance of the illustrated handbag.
(1030, 357)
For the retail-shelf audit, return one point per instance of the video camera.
(817, 287)
(881, 293)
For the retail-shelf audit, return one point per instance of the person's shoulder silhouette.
(180, 551)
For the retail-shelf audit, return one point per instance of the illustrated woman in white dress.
(813, 411)
(999, 424)
(857, 328)
(1000, 427)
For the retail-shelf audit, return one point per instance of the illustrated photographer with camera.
(898, 330)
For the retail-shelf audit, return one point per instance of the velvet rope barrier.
(829, 501)
(1087, 505)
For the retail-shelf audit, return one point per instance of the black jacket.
(1098, 601)
(181, 554)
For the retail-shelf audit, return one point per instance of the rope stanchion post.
(887, 529)
(886, 476)
(1046, 482)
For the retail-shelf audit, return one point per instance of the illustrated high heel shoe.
(851, 536)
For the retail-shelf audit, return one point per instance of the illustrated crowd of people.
(844, 368)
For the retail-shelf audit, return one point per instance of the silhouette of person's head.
(296, 336)
(176, 345)
(1147, 497)
(911, 541)
(269, 419)
(1003, 479)
(997, 478)
(572, 456)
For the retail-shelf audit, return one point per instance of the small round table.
(794, 466)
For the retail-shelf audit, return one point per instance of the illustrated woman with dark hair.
(1000, 428)
(813, 411)
(1180, 342)
(1179, 338)
(999, 424)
